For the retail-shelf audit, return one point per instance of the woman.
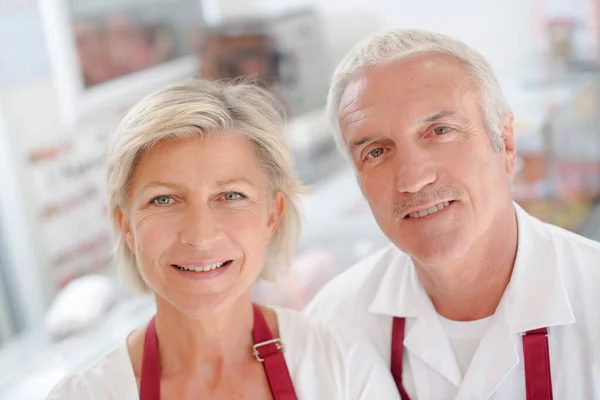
(203, 201)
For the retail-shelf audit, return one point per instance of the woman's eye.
(233, 196)
(377, 152)
(162, 200)
(440, 130)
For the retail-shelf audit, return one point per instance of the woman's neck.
(214, 341)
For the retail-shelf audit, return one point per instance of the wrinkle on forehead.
(353, 106)
(351, 96)
(378, 85)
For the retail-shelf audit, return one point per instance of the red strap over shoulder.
(150, 380)
(269, 351)
(538, 380)
(397, 355)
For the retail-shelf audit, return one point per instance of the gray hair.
(192, 109)
(396, 45)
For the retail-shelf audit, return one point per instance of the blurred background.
(70, 68)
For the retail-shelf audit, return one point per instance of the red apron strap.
(269, 351)
(397, 354)
(150, 380)
(538, 380)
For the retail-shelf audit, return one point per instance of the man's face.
(417, 136)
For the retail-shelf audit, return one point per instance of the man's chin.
(435, 252)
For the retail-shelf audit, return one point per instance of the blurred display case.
(557, 115)
(284, 53)
(102, 50)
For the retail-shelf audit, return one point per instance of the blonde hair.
(191, 109)
(399, 44)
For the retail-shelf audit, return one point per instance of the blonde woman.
(204, 201)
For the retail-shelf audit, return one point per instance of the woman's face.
(199, 218)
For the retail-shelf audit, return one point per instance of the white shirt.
(324, 361)
(464, 338)
(555, 283)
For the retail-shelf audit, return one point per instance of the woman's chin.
(207, 305)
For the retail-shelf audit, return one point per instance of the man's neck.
(472, 288)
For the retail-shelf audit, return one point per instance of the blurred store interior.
(70, 68)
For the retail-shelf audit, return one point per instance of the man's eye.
(377, 152)
(440, 130)
(233, 196)
(161, 200)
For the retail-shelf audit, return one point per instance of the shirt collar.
(535, 297)
(400, 292)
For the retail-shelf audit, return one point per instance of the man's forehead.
(431, 66)
(393, 86)
(353, 94)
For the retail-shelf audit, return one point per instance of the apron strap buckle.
(267, 348)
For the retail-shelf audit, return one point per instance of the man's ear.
(125, 229)
(277, 209)
(510, 150)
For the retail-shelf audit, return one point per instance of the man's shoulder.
(577, 258)
(569, 247)
(574, 246)
(307, 332)
(355, 287)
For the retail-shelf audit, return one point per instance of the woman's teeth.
(202, 269)
(430, 210)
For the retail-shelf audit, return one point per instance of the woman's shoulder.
(111, 377)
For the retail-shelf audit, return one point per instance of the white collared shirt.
(555, 283)
(324, 361)
(464, 338)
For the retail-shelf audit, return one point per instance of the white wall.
(502, 30)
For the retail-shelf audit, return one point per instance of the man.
(475, 299)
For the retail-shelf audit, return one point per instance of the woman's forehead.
(211, 159)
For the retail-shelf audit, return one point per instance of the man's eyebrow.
(361, 141)
(442, 115)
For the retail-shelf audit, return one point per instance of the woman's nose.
(199, 227)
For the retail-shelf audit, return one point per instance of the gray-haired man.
(475, 299)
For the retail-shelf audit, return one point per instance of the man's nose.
(199, 227)
(416, 170)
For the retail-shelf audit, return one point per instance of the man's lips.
(427, 209)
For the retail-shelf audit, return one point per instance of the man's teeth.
(202, 269)
(430, 210)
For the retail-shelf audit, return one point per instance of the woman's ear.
(125, 229)
(276, 212)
